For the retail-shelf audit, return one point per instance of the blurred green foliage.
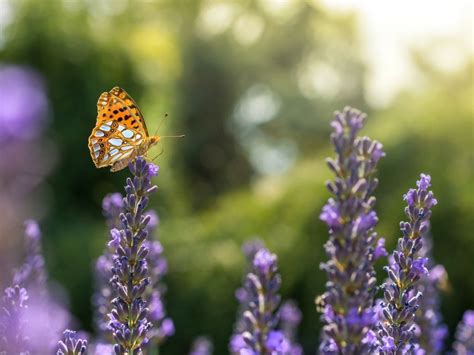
(205, 63)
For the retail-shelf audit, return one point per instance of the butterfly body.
(120, 134)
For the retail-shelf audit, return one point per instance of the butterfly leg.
(162, 151)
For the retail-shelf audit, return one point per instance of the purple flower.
(331, 215)
(402, 297)
(201, 346)
(277, 342)
(419, 267)
(32, 273)
(290, 318)
(258, 313)
(360, 320)
(130, 223)
(290, 313)
(71, 345)
(431, 331)
(153, 169)
(388, 344)
(24, 102)
(112, 205)
(464, 343)
(380, 250)
(102, 349)
(353, 244)
(251, 248)
(30, 311)
(129, 317)
(264, 261)
(237, 343)
(13, 339)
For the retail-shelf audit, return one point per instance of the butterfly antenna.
(179, 136)
(159, 125)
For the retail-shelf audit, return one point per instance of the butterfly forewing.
(119, 130)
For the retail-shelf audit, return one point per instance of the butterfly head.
(153, 140)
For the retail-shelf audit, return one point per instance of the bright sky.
(391, 28)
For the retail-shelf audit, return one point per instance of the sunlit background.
(253, 85)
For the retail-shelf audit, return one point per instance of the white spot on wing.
(104, 127)
(127, 147)
(138, 136)
(106, 156)
(94, 140)
(114, 151)
(121, 128)
(108, 123)
(115, 141)
(126, 154)
(96, 147)
(99, 133)
(116, 157)
(96, 154)
(127, 133)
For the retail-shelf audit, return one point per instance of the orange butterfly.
(120, 133)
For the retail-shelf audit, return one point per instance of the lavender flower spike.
(260, 299)
(464, 344)
(71, 345)
(353, 245)
(202, 346)
(431, 332)
(129, 315)
(396, 329)
(13, 307)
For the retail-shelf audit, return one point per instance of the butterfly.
(120, 133)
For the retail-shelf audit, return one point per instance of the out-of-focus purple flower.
(290, 318)
(42, 317)
(290, 313)
(237, 343)
(32, 273)
(258, 313)
(251, 248)
(13, 338)
(388, 344)
(432, 332)
(71, 344)
(24, 102)
(277, 343)
(353, 245)
(464, 343)
(202, 346)
(112, 206)
(102, 349)
(402, 298)
(380, 250)
(129, 317)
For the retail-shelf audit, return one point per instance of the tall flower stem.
(396, 330)
(128, 317)
(352, 247)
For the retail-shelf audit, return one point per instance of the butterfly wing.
(119, 130)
